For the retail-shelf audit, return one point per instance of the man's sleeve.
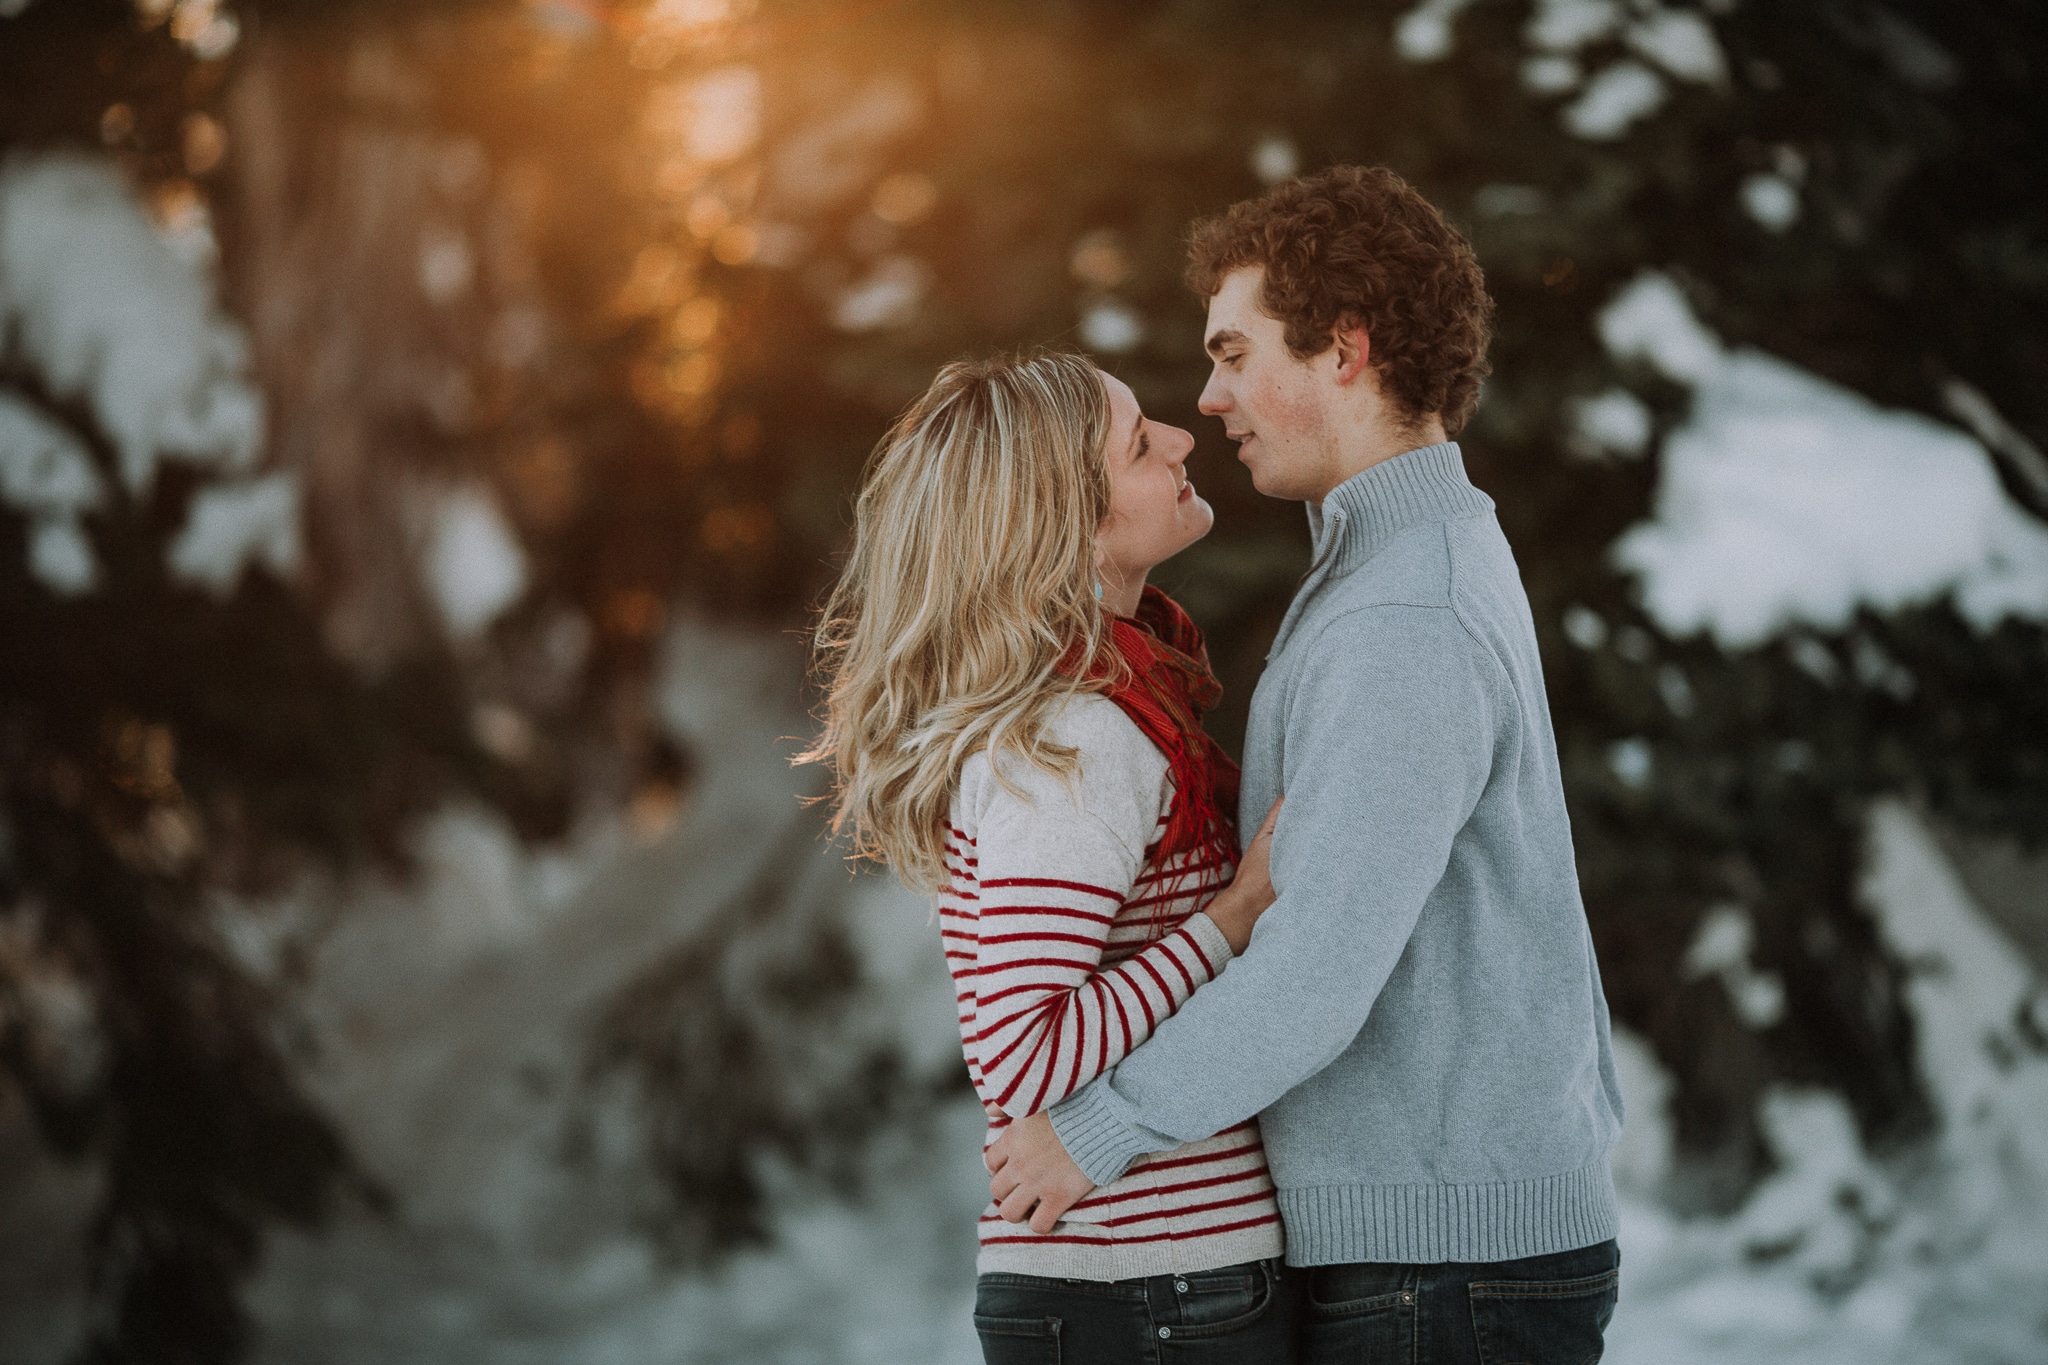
(1390, 739)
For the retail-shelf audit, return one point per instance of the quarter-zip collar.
(1374, 505)
(1356, 519)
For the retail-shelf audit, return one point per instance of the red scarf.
(1169, 688)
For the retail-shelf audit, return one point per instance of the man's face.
(1277, 408)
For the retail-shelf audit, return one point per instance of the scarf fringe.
(1170, 686)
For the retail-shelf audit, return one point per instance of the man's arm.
(1390, 741)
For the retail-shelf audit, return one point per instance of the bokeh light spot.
(1100, 260)
(736, 245)
(905, 198)
(205, 144)
(634, 613)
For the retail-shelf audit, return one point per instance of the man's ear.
(1354, 349)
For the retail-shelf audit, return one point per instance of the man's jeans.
(1545, 1310)
(1235, 1315)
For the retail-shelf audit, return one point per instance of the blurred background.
(424, 430)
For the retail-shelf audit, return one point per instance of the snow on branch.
(1786, 500)
(100, 311)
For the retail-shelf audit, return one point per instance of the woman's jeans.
(1235, 1315)
(1545, 1310)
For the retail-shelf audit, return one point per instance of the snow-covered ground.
(1939, 1257)
(440, 1007)
(451, 1018)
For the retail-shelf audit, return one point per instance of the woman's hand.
(1237, 907)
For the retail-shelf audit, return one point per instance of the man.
(1418, 1020)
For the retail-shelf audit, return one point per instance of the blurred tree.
(1847, 187)
(172, 726)
(569, 313)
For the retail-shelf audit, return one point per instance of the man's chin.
(1268, 482)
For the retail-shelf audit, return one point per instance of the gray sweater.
(1418, 1020)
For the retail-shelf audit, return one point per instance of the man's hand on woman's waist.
(1031, 1176)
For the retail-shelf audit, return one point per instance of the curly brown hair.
(1357, 244)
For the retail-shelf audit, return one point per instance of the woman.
(1013, 716)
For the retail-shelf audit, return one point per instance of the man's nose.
(1215, 399)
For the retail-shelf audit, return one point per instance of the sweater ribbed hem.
(1372, 506)
(1100, 1143)
(1109, 1261)
(1502, 1220)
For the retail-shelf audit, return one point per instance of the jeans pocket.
(1018, 1341)
(1217, 1302)
(1543, 1322)
(1357, 1315)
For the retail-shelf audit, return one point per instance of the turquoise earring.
(1098, 590)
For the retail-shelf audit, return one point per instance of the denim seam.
(1544, 1289)
(1035, 1328)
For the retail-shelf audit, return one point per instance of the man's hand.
(1031, 1175)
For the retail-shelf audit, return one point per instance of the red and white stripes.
(1067, 949)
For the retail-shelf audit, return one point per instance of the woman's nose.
(1179, 445)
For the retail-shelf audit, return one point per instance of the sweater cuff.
(1100, 1143)
(1209, 938)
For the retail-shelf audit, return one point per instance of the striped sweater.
(1069, 941)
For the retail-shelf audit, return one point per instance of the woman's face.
(1154, 512)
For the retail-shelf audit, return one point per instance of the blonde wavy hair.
(968, 601)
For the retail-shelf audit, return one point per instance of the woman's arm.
(1053, 873)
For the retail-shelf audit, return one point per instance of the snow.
(1568, 25)
(448, 1020)
(61, 557)
(1720, 948)
(1631, 761)
(1650, 320)
(1771, 200)
(46, 474)
(1975, 410)
(1111, 327)
(1785, 500)
(453, 1018)
(1930, 1258)
(1612, 422)
(1423, 34)
(1584, 627)
(1550, 73)
(1682, 43)
(231, 524)
(473, 564)
(105, 312)
(1613, 100)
